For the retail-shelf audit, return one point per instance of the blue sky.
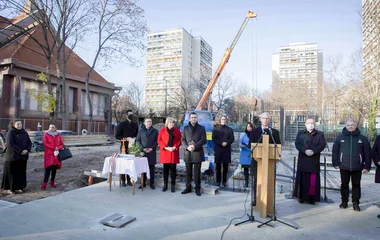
(332, 24)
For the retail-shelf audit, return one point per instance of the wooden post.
(123, 149)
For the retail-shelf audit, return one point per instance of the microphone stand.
(251, 218)
(274, 217)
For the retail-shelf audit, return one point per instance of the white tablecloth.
(133, 166)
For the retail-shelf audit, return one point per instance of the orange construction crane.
(224, 61)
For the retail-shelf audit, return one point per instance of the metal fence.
(35, 124)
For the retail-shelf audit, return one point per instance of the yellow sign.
(209, 135)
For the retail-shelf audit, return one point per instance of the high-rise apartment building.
(371, 41)
(174, 57)
(297, 75)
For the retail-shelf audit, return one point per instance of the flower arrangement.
(134, 149)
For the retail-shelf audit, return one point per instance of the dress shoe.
(187, 190)
(43, 186)
(312, 202)
(152, 186)
(301, 201)
(52, 184)
(356, 206)
(19, 191)
(129, 184)
(140, 187)
(198, 192)
(343, 205)
(123, 184)
(165, 188)
(173, 188)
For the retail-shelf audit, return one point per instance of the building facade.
(297, 75)
(371, 41)
(21, 62)
(174, 57)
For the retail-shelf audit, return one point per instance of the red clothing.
(163, 138)
(50, 143)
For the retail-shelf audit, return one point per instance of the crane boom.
(224, 61)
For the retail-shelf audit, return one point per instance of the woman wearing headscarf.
(18, 145)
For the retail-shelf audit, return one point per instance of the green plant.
(135, 149)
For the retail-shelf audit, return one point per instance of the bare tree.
(120, 28)
(224, 89)
(135, 91)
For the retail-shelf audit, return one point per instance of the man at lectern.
(256, 136)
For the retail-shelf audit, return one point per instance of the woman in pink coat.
(53, 142)
(169, 140)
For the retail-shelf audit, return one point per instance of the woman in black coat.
(18, 146)
(223, 137)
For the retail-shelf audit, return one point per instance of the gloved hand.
(56, 153)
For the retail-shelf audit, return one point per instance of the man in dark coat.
(309, 143)
(147, 139)
(223, 137)
(256, 137)
(375, 153)
(193, 139)
(376, 158)
(126, 130)
(351, 154)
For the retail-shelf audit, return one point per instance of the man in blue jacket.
(351, 154)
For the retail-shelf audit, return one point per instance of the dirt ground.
(68, 178)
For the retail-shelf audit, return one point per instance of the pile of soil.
(68, 178)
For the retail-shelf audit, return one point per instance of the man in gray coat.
(193, 139)
(147, 139)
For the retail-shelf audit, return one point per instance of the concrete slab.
(172, 216)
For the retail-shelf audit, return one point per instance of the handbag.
(64, 154)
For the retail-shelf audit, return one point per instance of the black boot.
(187, 190)
(165, 188)
(343, 205)
(173, 188)
(356, 207)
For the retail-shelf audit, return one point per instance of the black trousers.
(356, 177)
(197, 175)
(172, 168)
(246, 174)
(219, 170)
(151, 171)
(53, 170)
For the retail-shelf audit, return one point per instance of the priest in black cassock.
(309, 143)
(256, 136)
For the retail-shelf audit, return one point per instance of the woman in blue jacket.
(245, 156)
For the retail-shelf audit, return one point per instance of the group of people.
(169, 139)
(351, 155)
(17, 148)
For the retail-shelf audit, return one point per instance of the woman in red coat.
(53, 142)
(169, 140)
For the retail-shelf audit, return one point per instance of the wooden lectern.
(266, 156)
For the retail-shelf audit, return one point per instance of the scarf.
(16, 130)
(171, 137)
(248, 133)
(52, 133)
